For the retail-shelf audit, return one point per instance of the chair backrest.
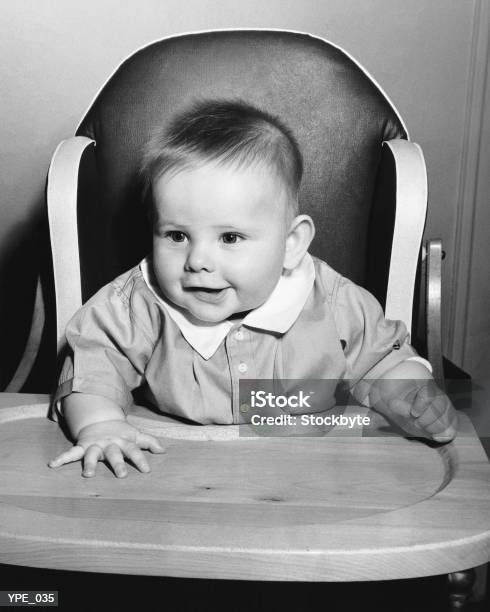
(338, 113)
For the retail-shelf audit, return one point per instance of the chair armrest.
(65, 172)
(433, 309)
(62, 194)
(411, 209)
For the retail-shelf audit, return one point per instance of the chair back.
(338, 114)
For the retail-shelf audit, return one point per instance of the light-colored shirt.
(316, 324)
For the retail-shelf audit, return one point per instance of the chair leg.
(33, 343)
(460, 587)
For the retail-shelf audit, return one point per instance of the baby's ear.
(301, 233)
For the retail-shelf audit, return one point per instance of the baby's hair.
(228, 132)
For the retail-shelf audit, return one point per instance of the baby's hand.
(424, 409)
(111, 441)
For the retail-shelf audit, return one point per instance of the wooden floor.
(93, 592)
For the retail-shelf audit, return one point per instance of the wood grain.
(332, 508)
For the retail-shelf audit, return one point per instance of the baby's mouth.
(207, 294)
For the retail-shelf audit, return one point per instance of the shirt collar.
(277, 314)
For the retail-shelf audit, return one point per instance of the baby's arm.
(408, 394)
(101, 431)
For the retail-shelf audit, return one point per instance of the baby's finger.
(436, 414)
(149, 443)
(422, 403)
(115, 458)
(419, 407)
(449, 433)
(430, 414)
(401, 416)
(135, 454)
(93, 454)
(399, 407)
(73, 454)
(445, 428)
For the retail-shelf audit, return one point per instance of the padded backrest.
(338, 114)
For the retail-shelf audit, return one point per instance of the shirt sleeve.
(372, 344)
(107, 351)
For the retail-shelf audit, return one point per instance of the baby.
(229, 292)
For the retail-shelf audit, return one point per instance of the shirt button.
(239, 335)
(242, 367)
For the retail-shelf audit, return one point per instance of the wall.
(469, 317)
(56, 54)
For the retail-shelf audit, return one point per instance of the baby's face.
(219, 238)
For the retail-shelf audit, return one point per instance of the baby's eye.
(231, 238)
(176, 236)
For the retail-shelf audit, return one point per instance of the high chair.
(365, 182)
(365, 186)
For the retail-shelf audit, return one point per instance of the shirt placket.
(240, 355)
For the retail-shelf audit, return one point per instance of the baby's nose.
(200, 258)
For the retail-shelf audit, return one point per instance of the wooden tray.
(214, 506)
